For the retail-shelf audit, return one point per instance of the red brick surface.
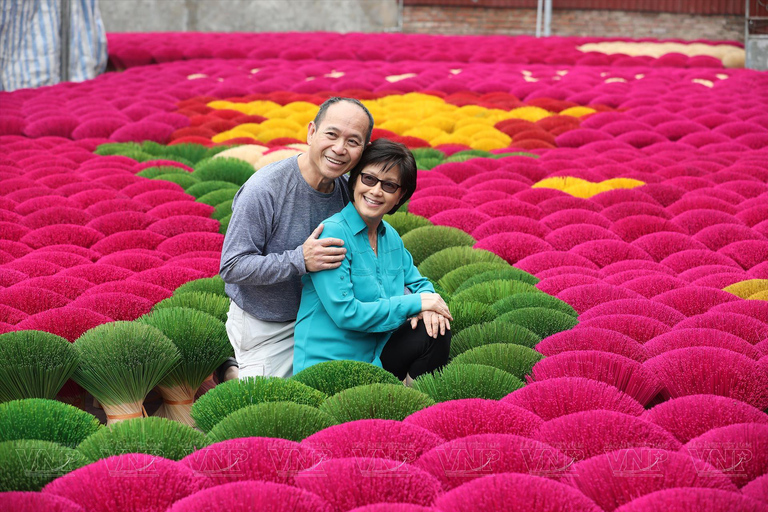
(677, 6)
(599, 23)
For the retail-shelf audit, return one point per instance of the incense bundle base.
(122, 412)
(177, 403)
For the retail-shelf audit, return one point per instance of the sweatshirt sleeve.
(335, 291)
(243, 258)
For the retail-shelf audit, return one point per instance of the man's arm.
(243, 256)
(244, 259)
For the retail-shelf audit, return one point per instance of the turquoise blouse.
(350, 312)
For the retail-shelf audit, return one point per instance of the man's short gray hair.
(337, 99)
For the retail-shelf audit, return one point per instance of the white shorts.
(262, 349)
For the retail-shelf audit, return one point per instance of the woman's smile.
(372, 202)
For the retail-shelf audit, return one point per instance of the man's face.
(337, 144)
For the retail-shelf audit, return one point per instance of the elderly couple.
(313, 272)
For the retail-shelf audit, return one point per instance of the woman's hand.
(434, 302)
(434, 323)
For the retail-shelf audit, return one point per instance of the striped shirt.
(31, 42)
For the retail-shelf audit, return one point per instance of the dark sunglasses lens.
(371, 181)
(389, 187)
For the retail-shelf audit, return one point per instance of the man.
(270, 242)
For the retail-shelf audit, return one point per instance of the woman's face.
(372, 201)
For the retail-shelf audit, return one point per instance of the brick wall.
(480, 20)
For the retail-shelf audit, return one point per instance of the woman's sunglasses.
(369, 180)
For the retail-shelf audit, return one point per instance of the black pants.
(414, 352)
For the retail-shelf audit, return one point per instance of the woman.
(359, 311)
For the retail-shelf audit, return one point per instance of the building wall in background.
(677, 6)
(445, 17)
(596, 23)
(249, 15)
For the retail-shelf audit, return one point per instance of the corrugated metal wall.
(733, 7)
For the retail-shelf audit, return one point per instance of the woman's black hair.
(388, 154)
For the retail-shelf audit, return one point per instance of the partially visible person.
(44, 42)
(360, 310)
(273, 237)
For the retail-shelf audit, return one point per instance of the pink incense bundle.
(694, 300)
(750, 329)
(714, 371)
(61, 234)
(495, 225)
(592, 338)
(700, 337)
(639, 328)
(252, 458)
(461, 460)
(652, 285)
(625, 374)
(688, 499)
(539, 262)
(151, 292)
(563, 218)
(514, 492)
(394, 507)
(662, 244)
(690, 416)
(604, 252)
(513, 247)
(757, 489)
(115, 305)
(110, 223)
(557, 397)
(567, 237)
(18, 501)
(122, 482)
(556, 285)
(740, 451)
(587, 296)
(757, 309)
(68, 322)
(634, 227)
(387, 439)
(586, 434)
(124, 240)
(615, 478)
(641, 307)
(364, 481)
(253, 495)
(466, 417)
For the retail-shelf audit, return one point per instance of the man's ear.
(310, 131)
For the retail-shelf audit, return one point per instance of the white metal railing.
(756, 34)
(544, 14)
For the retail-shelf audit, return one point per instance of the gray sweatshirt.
(262, 260)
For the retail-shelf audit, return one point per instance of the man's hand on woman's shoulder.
(324, 254)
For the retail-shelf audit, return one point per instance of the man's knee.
(228, 370)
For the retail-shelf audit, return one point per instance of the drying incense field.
(594, 212)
